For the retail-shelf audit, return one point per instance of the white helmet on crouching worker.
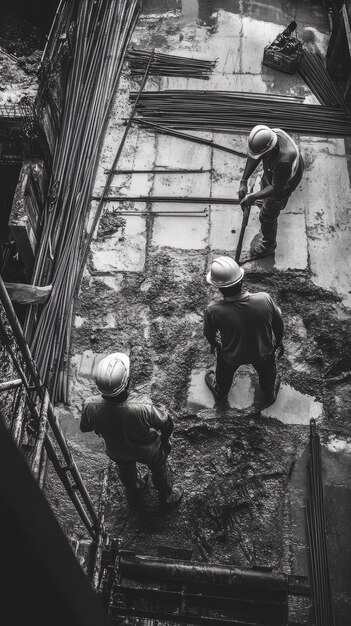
(261, 140)
(112, 374)
(225, 272)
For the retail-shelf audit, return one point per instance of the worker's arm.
(210, 330)
(280, 181)
(278, 329)
(160, 419)
(250, 198)
(85, 425)
(250, 167)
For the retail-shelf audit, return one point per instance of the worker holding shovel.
(282, 172)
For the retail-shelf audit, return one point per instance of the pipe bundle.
(103, 31)
(225, 111)
(168, 65)
(313, 71)
(316, 525)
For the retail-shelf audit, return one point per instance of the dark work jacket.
(283, 170)
(247, 324)
(128, 428)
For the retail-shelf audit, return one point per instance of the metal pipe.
(150, 568)
(201, 213)
(163, 616)
(164, 170)
(265, 611)
(174, 133)
(174, 199)
(10, 384)
(316, 525)
(227, 111)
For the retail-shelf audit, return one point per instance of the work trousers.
(162, 475)
(265, 368)
(269, 214)
(272, 207)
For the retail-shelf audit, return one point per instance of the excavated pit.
(144, 292)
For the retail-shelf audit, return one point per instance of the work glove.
(279, 350)
(248, 201)
(242, 189)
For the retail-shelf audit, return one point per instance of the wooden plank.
(27, 207)
(28, 294)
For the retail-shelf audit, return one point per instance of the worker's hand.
(242, 189)
(279, 349)
(248, 201)
(166, 446)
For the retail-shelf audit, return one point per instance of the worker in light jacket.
(283, 168)
(133, 431)
(242, 328)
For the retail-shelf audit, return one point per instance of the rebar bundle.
(102, 35)
(168, 65)
(316, 525)
(313, 71)
(225, 111)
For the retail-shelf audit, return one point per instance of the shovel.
(244, 222)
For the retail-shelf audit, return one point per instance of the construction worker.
(130, 430)
(282, 172)
(241, 329)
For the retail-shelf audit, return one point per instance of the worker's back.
(127, 427)
(283, 168)
(246, 324)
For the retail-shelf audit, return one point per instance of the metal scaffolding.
(32, 420)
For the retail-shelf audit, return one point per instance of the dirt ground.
(21, 46)
(243, 470)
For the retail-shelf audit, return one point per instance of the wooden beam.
(28, 294)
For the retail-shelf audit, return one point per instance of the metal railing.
(34, 417)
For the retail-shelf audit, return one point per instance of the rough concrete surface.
(144, 292)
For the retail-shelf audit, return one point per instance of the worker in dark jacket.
(282, 172)
(241, 329)
(133, 432)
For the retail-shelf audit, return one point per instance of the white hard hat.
(225, 272)
(261, 140)
(112, 374)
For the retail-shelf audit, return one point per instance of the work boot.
(172, 500)
(269, 400)
(140, 485)
(259, 252)
(210, 380)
